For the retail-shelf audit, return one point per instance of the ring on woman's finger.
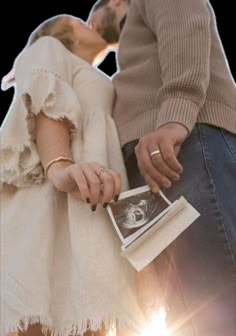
(157, 151)
(100, 172)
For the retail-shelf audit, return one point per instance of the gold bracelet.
(58, 159)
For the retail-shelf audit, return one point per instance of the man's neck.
(122, 22)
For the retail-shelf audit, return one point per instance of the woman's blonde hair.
(59, 27)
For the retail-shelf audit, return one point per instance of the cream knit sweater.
(172, 69)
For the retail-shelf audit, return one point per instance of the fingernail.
(116, 198)
(94, 207)
(154, 190)
(105, 205)
(167, 184)
(88, 200)
(176, 177)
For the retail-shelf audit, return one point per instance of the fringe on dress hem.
(74, 329)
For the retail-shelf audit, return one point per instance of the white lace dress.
(60, 262)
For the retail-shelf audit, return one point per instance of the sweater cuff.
(179, 110)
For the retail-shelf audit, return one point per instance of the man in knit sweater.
(175, 110)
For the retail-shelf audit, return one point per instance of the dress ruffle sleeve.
(44, 75)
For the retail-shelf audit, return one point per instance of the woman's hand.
(90, 182)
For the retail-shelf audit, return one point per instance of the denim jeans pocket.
(230, 140)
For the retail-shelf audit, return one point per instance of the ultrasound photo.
(137, 211)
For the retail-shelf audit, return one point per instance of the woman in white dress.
(61, 164)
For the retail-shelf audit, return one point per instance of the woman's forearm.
(81, 179)
(52, 139)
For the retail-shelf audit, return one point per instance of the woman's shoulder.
(47, 42)
(47, 54)
(45, 47)
(51, 46)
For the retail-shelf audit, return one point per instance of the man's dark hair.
(100, 4)
(103, 3)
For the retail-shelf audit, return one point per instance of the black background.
(19, 23)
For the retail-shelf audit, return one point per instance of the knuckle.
(108, 178)
(161, 136)
(160, 166)
(96, 183)
(83, 187)
(166, 183)
(74, 168)
(152, 185)
(141, 143)
(117, 175)
(164, 180)
(168, 156)
(156, 160)
(82, 165)
(118, 179)
(93, 164)
(157, 176)
(149, 170)
(107, 196)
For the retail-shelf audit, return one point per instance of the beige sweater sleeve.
(182, 28)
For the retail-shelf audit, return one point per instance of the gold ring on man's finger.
(157, 151)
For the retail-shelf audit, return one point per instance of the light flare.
(157, 324)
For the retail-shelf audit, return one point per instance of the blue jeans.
(198, 270)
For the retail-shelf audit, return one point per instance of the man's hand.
(163, 168)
